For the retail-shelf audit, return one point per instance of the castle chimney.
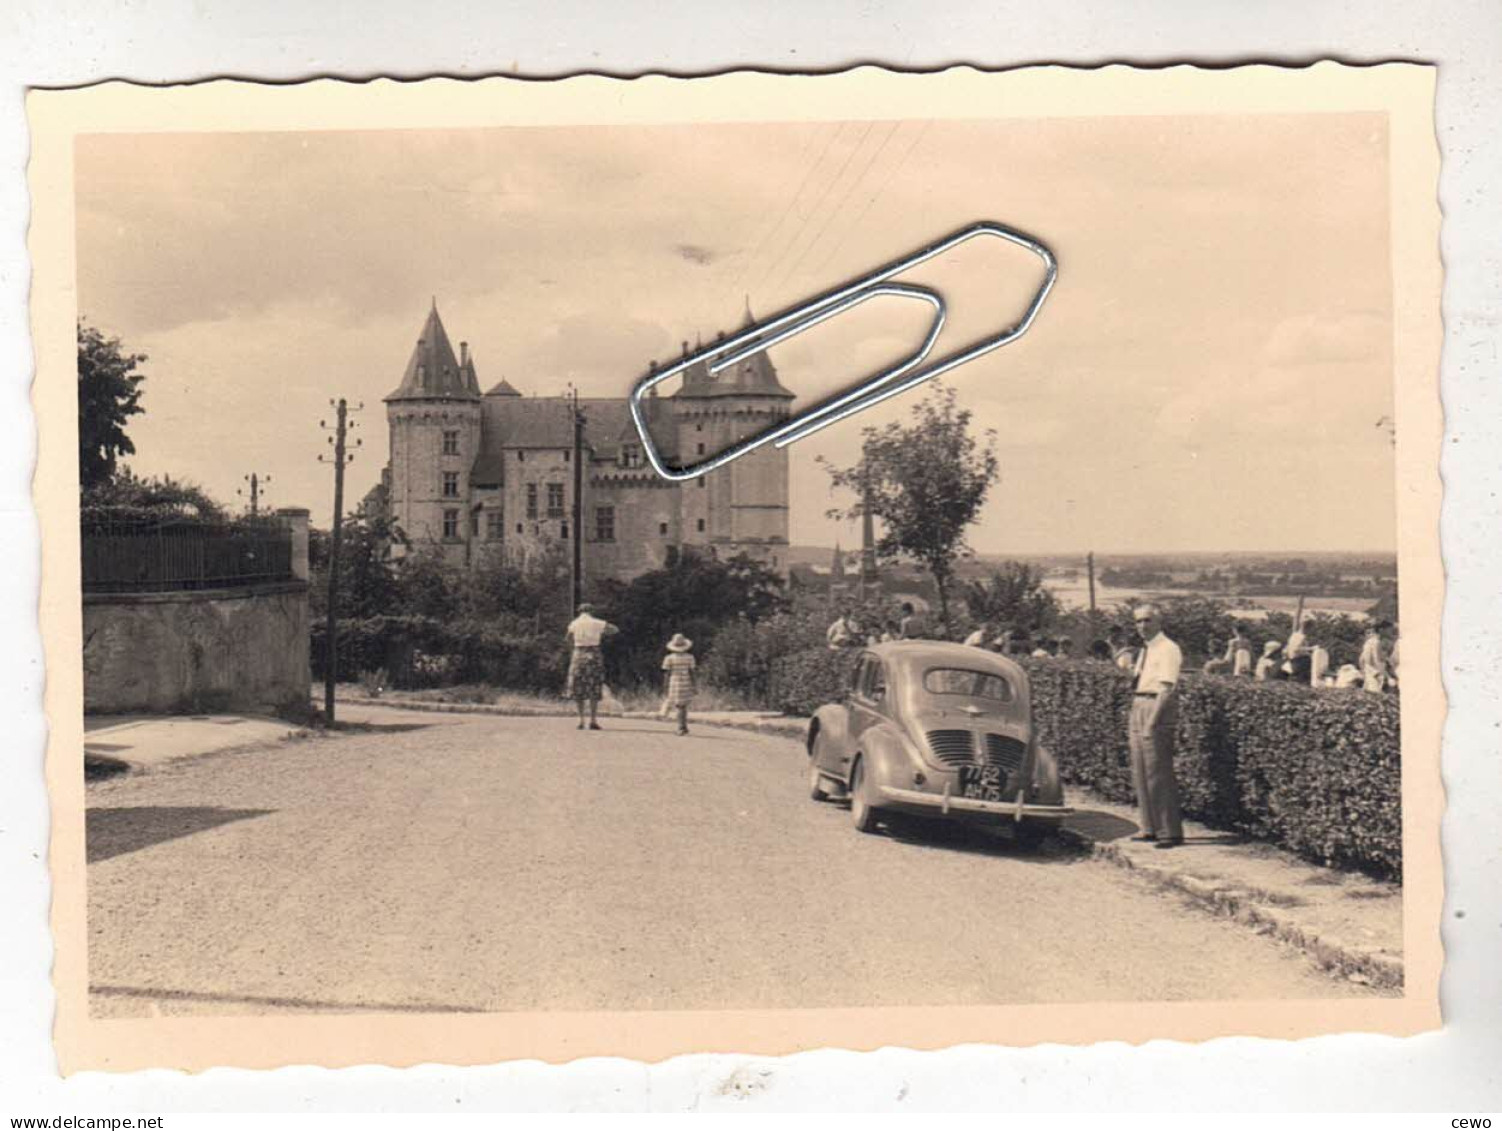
(463, 353)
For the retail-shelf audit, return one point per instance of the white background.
(1458, 1071)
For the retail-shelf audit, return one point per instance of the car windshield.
(959, 681)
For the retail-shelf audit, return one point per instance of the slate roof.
(433, 372)
(503, 388)
(510, 423)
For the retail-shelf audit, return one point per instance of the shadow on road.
(1092, 824)
(116, 831)
(341, 727)
(952, 836)
(148, 994)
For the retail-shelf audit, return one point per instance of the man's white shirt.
(1158, 663)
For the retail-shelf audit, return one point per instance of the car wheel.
(863, 815)
(816, 788)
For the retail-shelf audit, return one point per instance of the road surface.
(452, 862)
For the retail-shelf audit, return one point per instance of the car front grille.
(952, 747)
(1004, 751)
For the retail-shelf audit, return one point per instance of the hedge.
(424, 652)
(1317, 772)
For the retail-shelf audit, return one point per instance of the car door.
(868, 704)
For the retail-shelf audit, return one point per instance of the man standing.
(1372, 662)
(1150, 732)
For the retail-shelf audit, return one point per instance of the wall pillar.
(295, 519)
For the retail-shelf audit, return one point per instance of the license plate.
(982, 783)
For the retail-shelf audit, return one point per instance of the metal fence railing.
(135, 557)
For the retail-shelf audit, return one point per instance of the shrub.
(804, 681)
(1315, 771)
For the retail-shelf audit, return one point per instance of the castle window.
(662, 528)
(701, 447)
(474, 524)
(702, 481)
(631, 455)
(563, 532)
(604, 524)
(698, 427)
(451, 524)
(451, 443)
(555, 500)
(531, 500)
(518, 528)
(521, 457)
(700, 525)
(495, 525)
(450, 484)
(567, 455)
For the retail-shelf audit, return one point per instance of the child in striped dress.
(679, 666)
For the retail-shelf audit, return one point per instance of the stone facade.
(234, 649)
(219, 649)
(476, 474)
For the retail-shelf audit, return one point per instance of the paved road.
(481, 863)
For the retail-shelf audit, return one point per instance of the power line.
(871, 201)
(808, 247)
(819, 204)
(808, 173)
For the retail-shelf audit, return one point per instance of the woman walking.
(586, 665)
(679, 666)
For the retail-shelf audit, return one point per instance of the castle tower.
(434, 422)
(741, 508)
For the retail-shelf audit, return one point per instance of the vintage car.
(933, 729)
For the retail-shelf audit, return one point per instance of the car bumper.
(945, 804)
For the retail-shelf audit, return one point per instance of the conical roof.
(503, 388)
(433, 372)
(754, 376)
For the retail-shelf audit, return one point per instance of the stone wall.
(243, 649)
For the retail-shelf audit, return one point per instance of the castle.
(473, 474)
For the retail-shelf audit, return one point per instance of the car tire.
(816, 788)
(863, 815)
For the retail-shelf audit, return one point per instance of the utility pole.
(341, 457)
(1090, 573)
(868, 529)
(257, 482)
(578, 571)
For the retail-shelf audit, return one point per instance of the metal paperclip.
(887, 383)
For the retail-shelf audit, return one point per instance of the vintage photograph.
(421, 676)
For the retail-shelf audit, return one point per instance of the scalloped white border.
(1404, 91)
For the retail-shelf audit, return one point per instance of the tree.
(164, 496)
(697, 596)
(109, 393)
(1013, 596)
(926, 483)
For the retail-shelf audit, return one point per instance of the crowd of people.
(1303, 658)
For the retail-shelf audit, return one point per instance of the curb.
(783, 728)
(1252, 908)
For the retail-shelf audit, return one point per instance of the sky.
(1213, 370)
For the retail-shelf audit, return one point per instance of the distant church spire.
(837, 564)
